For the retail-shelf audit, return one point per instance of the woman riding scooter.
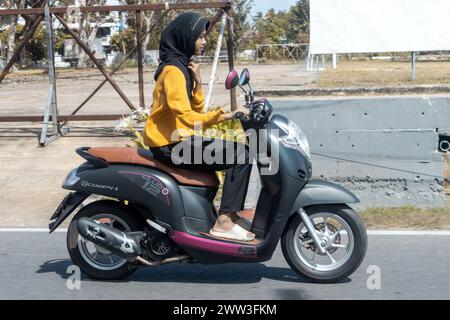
(178, 103)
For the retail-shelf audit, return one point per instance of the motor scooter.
(155, 214)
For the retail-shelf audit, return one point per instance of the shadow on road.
(193, 273)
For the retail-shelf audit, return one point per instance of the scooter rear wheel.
(93, 260)
(343, 235)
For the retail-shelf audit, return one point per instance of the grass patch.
(384, 73)
(408, 217)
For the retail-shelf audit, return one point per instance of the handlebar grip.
(239, 115)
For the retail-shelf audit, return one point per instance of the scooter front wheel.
(343, 241)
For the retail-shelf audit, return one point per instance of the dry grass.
(384, 73)
(407, 217)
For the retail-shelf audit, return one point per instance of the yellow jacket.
(172, 110)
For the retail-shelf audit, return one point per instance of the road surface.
(34, 266)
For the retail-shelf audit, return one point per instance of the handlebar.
(239, 115)
(259, 114)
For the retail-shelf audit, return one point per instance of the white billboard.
(363, 26)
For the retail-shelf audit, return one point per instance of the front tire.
(97, 262)
(341, 229)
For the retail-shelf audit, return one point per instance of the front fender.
(323, 192)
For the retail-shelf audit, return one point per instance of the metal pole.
(51, 70)
(231, 58)
(83, 117)
(413, 66)
(334, 60)
(318, 70)
(139, 57)
(215, 63)
(95, 61)
(214, 21)
(51, 107)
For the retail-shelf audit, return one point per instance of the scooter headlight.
(296, 139)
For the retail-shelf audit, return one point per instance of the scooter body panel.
(154, 190)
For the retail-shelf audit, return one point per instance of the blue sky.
(264, 5)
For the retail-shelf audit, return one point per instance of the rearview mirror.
(232, 80)
(245, 77)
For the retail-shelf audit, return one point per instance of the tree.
(147, 18)
(241, 11)
(123, 41)
(270, 27)
(89, 23)
(12, 4)
(298, 22)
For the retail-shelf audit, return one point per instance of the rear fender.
(67, 206)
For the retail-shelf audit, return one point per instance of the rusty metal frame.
(58, 12)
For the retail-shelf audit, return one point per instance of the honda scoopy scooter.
(157, 214)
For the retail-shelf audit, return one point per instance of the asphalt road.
(33, 265)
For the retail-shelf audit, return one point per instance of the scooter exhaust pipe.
(118, 242)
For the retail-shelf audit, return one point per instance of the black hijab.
(177, 44)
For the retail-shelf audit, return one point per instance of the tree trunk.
(87, 35)
(12, 37)
(148, 17)
(82, 58)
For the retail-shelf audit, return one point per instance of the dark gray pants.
(221, 155)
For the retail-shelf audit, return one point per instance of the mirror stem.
(247, 99)
(251, 93)
(243, 89)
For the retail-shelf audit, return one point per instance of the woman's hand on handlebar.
(232, 115)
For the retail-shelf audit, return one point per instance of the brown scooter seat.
(127, 155)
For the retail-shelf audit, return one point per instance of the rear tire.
(77, 246)
(352, 261)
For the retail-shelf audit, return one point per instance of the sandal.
(236, 233)
(244, 223)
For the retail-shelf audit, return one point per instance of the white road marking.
(31, 230)
(409, 232)
(370, 232)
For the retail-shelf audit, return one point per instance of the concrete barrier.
(384, 149)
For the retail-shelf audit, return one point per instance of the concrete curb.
(389, 90)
